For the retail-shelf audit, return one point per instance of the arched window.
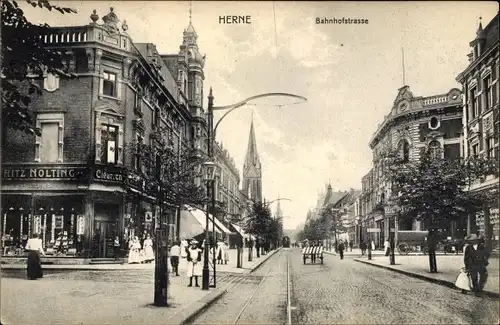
(434, 148)
(404, 150)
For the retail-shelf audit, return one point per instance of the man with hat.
(194, 263)
(476, 261)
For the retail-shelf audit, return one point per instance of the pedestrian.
(431, 246)
(220, 252)
(117, 248)
(362, 246)
(226, 252)
(184, 245)
(351, 244)
(34, 264)
(476, 261)
(194, 267)
(373, 245)
(149, 254)
(313, 252)
(387, 247)
(341, 250)
(175, 252)
(134, 250)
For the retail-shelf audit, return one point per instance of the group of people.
(140, 253)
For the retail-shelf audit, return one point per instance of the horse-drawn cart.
(412, 241)
(312, 252)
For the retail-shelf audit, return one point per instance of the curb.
(444, 283)
(190, 312)
(268, 256)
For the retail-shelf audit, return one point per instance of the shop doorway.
(104, 235)
(105, 230)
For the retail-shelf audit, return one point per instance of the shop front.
(46, 200)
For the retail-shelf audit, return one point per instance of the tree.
(331, 217)
(261, 224)
(435, 190)
(170, 176)
(24, 54)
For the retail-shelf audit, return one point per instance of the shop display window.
(61, 230)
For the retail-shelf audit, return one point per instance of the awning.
(193, 223)
(221, 226)
(239, 230)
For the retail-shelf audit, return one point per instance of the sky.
(350, 75)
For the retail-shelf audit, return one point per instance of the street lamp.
(209, 177)
(210, 151)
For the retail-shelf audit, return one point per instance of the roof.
(490, 33)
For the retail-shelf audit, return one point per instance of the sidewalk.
(55, 301)
(230, 267)
(448, 268)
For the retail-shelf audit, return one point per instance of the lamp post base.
(206, 279)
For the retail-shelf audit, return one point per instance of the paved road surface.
(346, 292)
(267, 304)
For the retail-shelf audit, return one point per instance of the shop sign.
(56, 173)
(109, 174)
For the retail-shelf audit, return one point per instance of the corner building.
(415, 124)
(78, 185)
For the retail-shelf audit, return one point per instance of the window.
(434, 148)
(138, 101)
(475, 149)
(488, 100)
(49, 145)
(109, 142)
(404, 150)
(434, 123)
(474, 103)
(138, 162)
(158, 165)
(490, 147)
(156, 118)
(49, 151)
(109, 84)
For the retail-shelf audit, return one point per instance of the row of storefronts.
(85, 219)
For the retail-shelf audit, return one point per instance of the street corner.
(190, 312)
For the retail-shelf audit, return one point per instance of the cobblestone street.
(346, 292)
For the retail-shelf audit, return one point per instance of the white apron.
(134, 253)
(194, 267)
(149, 254)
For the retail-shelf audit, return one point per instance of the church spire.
(252, 157)
(252, 171)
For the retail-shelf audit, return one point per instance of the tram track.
(247, 300)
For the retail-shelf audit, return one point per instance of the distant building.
(228, 185)
(252, 169)
(481, 131)
(413, 125)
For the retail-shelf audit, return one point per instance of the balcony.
(83, 34)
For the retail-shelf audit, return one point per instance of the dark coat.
(341, 247)
(476, 258)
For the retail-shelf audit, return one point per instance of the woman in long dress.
(226, 252)
(184, 246)
(149, 254)
(34, 266)
(134, 251)
(194, 267)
